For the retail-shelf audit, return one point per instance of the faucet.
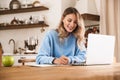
(14, 50)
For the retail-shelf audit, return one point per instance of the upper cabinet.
(4, 26)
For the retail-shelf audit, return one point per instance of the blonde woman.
(65, 44)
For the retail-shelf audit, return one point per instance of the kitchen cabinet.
(22, 10)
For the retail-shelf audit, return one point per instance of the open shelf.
(22, 26)
(22, 10)
(92, 17)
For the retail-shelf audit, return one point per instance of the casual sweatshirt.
(52, 47)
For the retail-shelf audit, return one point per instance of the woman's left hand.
(64, 60)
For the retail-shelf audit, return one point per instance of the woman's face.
(70, 22)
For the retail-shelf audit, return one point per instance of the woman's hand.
(62, 60)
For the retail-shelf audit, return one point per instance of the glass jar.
(15, 4)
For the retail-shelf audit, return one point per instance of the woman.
(65, 44)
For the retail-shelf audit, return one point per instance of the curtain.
(110, 22)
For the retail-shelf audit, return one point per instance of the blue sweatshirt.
(52, 48)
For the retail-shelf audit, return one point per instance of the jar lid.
(36, 3)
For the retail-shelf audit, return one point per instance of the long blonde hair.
(79, 30)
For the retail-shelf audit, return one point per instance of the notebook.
(100, 50)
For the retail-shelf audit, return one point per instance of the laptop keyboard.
(78, 64)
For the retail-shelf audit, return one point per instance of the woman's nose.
(72, 24)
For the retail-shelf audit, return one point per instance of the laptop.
(100, 50)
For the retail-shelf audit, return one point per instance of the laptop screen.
(100, 49)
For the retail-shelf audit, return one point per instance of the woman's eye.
(75, 22)
(69, 20)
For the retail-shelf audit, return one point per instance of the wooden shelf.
(87, 26)
(92, 17)
(22, 26)
(22, 10)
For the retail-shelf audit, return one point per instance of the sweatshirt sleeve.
(44, 54)
(79, 57)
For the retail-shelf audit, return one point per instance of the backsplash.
(19, 36)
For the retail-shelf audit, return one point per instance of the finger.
(66, 58)
(63, 60)
(60, 61)
(57, 61)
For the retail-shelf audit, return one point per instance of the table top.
(62, 72)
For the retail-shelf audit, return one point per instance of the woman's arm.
(44, 55)
(80, 56)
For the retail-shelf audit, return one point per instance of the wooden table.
(101, 72)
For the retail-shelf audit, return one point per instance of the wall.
(19, 35)
(68, 3)
(88, 6)
(52, 17)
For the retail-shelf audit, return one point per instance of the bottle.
(1, 51)
(15, 4)
(14, 21)
(31, 20)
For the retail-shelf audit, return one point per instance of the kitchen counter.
(18, 54)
